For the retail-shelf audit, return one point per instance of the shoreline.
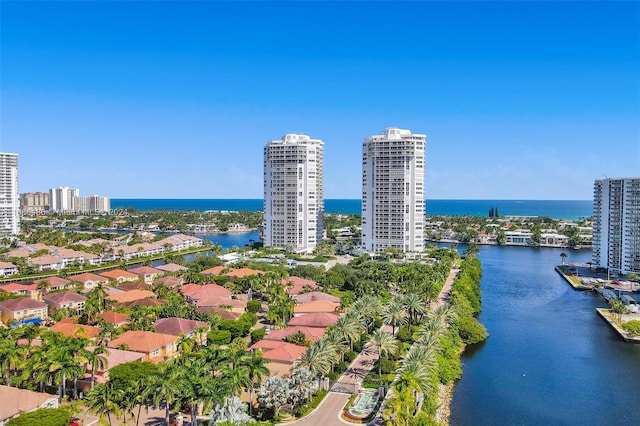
(443, 413)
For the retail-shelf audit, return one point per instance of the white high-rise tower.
(63, 199)
(616, 225)
(293, 193)
(9, 196)
(393, 164)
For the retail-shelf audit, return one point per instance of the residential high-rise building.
(616, 225)
(63, 199)
(34, 201)
(93, 204)
(9, 196)
(293, 193)
(393, 164)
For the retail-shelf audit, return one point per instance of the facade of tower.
(9, 196)
(616, 225)
(293, 193)
(63, 199)
(393, 165)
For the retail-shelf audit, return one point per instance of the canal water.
(549, 359)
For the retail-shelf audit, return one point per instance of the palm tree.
(563, 256)
(103, 400)
(318, 358)
(415, 306)
(350, 327)
(97, 360)
(11, 355)
(256, 370)
(394, 315)
(383, 343)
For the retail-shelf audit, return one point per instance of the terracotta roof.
(47, 259)
(242, 272)
(87, 276)
(134, 285)
(64, 297)
(315, 295)
(311, 333)
(16, 401)
(172, 267)
(216, 270)
(169, 281)
(76, 330)
(131, 295)
(143, 341)
(317, 319)
(143, 302)
(5, 265)
(114, 317)
(279, 351)
(222, 313)
(115, 274)
(54, 281)
(19, 287)
(21, 303)
(316, 306)
(177, 326)
(296, 285)
(221, 301)
(116, 357)
(145, 270)
(196, 292)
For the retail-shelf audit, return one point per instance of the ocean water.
(557, 209)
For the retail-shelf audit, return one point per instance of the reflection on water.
(549, 358)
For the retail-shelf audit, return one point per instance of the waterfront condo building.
(9, 196)
(393, 165)
(34, 202)
(63, 199)
(616, 225)
(293, 193)
(93, 204)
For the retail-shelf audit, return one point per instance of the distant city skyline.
(519, 100)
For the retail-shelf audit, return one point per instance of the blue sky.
(520, 100)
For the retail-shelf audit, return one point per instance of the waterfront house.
(282, 355)
(172, 267)
(69, 257)
(28, 290)
(119, 276)
(65, 300)
(89, 280)
(16, 401)
(553, 239)
(519, 238)
(156, 347)
(7, 269)
(46, 262)
(22, 308)
(146, 273)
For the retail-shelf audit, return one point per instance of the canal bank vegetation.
(432, 361)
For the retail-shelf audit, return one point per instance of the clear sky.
(520, 100)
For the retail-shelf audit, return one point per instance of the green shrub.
(350, 356)
(340, 367)
(471, 330)
(632, 327)
(42, 417)
(219, 337)
(253, 306)
(257, 335)
(388, 366)
(404, 334)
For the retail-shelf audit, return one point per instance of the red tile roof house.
(68, 256)
(312, 333)
(296, 285)
(315, 295)
(55, 283)
(22, 308)
(131, 296)
(178, 326)
(318, 319)
(234, 305)
(46, 263)
(315, 306)
(146, 273)
(114, 358)
(119, 276)
(169, 281)
(89, 280)
(216, 270)
(65, 300)
(115, 318)
(7, 269)
(134, 285)
(195, 292)
(282, 355)
(242, 272)
(76, 330)
(17, 401)
(222, 313)
(155, 346)
(29, 290)
(172, 267)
